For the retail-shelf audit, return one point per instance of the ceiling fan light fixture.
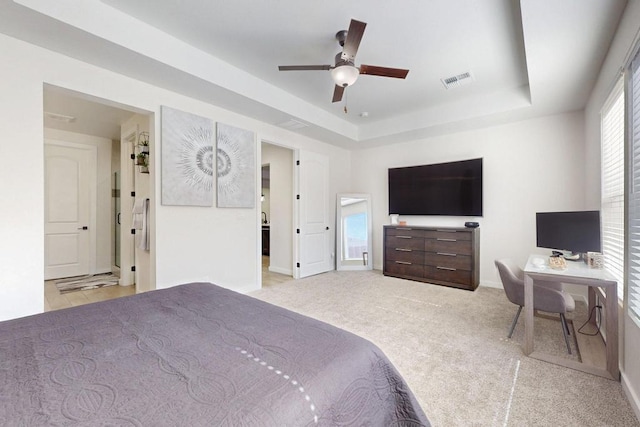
(345, 75)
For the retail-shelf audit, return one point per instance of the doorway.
(276, 213)
(91, 125)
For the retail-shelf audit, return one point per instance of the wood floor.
(54, 300)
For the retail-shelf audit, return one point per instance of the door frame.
(259, 164)
(129, 137)
(295, 206)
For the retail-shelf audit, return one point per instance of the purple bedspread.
(194, 355)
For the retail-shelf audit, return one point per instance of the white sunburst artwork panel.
(187, 158)
(236, 166)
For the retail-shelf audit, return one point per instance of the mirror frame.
(339, 244)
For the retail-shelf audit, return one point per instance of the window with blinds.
(633, 192)
(612, 204)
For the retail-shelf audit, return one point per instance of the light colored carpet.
(451, 347)
(82, 283)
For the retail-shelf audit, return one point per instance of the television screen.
(453, 188)
(578, 232)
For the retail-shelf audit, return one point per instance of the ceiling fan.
(344, 72)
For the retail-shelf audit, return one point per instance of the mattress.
(196, 355)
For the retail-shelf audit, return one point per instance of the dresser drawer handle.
(404, 250)
(446, 254)
(446, 240)
(446, 231)
(403, 237)
(403, 262)
(404, 228)
(446, 268)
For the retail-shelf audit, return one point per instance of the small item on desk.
(557, 263)
(595, 260)
(403, 223)
(538, 262)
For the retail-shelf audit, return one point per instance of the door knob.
(83, 228)
(327, 228)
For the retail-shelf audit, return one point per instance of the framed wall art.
(187, 158)
(236, 165)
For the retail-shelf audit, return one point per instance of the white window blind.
(612, 203)
(633, 192)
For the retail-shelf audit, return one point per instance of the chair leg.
(565, 330)
(515, 321)
(565, 325)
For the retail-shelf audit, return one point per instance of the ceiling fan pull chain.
(346, 100)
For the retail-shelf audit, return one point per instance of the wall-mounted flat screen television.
(578, 232)
(453, 188)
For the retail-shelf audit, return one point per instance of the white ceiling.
(87, 115)
(528, 57)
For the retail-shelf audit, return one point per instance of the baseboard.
(632, 396)
(491, 284)
(281, 270)
(244, 289)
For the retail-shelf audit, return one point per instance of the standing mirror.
(353, 238)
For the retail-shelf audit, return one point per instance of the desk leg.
(592, 303)
(528, 315)
(611, 307)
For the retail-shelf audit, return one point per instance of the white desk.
(579, 273)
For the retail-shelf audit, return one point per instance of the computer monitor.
(578, 232)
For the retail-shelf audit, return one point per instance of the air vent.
(459, 80)
(60, 117)
(292, 124)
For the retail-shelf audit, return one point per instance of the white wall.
(621, 48)
(191, 243)
(529, 166)
(280, 213)
(103, 193)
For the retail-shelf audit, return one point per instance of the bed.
(196, 355)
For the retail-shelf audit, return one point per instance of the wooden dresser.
(439, 255)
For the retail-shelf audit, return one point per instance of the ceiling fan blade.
(303, 67)
(337, 93)
(354, 35)
(373, 70)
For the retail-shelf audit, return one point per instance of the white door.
(68, 194)
(314, 239)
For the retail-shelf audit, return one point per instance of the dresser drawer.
(399, 269)
(405, 242)
(405, 231)
(405, 255)
(448, 234)
(443, 259)
(448, 245)
(462, 277)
